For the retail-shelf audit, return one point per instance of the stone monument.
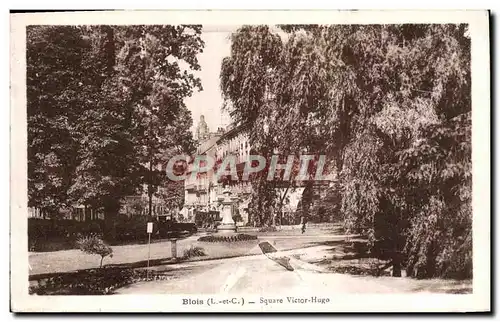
(227, 225)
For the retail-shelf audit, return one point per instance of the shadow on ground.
(144, 263)
(351, 256)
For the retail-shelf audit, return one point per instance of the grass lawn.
(160, 252)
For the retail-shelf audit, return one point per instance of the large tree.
(54, 60)
(406, 167)
(271, 84)
(106, 105)
(390, 106)
(149, 66)
(247, 86)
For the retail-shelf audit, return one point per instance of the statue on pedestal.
(227, 225)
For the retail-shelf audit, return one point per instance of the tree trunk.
(307, 198)
(396, 264)
(397, 256)
(102, 258)
(396, 269)
(110, 214)
(150, 188)
(150, 204)
(282, 199)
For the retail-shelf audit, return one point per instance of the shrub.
(267, 229)
(93, 244)
(230, 238)
(172, 228)
(356, 270)
(53, 235)
(134, 228)
(194, 251)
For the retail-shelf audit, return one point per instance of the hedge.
(52, 235)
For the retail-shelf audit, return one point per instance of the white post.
(149, 247)
(149, 231)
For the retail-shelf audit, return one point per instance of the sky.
(209, 101)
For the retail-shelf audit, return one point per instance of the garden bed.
(225, 239)
(101, 281)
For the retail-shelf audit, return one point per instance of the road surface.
(257, 275)
(260, 275)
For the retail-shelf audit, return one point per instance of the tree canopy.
(390, 105)
(105, 107)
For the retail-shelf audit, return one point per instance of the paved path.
(259, 275)
(336, 237)
(256, 275)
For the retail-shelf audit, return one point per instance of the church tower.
(202, 130)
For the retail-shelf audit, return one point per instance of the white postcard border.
(479, 300)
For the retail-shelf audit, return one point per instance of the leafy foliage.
(268, 229)
(133, 228)
(194, 251)
(172, 195)
(53, 235)
(51, 92)
(93, 282)
(390, 105)
(94, 245)
(105, 106)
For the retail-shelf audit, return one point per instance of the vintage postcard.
(250, 161)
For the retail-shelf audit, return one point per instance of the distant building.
(200, 193)
(76, 212)
(204, 193)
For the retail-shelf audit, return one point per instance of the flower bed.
(229, 238)
(92, 281)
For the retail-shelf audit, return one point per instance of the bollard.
(173, 244)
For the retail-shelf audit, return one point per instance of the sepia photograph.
(272, 166)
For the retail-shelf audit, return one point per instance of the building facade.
(203, 192)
